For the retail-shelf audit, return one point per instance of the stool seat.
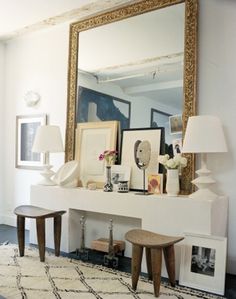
(149, 239)
(39, 214)
(154, 245)
(36, 212)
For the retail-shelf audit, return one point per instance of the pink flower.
(101, 157)
(109, 156)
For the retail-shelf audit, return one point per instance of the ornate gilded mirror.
(139, 54)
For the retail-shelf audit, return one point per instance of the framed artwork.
(92, 139)
(155, 183)
(203, 263)
(119, 173)
(177, 146)
(26, 127)
(156, 138)
(97, 106)
(176, 124)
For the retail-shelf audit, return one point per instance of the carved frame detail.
(190, 68)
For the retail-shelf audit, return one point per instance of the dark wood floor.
(8, 233)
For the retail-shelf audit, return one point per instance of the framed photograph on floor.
(26, 127)
(92, 139)
(203, 263)
(156, 138)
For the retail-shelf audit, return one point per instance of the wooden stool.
(40, 215)
(154, 243)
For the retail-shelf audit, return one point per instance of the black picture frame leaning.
(107, 107)
(156, 136)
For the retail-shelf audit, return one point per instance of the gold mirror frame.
(190, 65)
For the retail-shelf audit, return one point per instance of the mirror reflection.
(132, 71)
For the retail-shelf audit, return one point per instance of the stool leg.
(21, 234)
(156, 257)
(149, 262)
(40, 223)
(137, 253)
(57, 234)
(169, 254)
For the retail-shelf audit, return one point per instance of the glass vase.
(108, 187)
(172, 182)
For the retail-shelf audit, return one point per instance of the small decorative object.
(129, 137)
(172, 165)
(67, 175)
(123, 187)
(203, 263)
(120, 173)
(142, 156)
(110, 258)
(92, 186)
(82, 252)
(109, 156)
(155, 183)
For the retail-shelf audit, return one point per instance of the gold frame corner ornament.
(190, 68)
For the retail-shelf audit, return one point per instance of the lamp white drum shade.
(48, 139)
(204, 134)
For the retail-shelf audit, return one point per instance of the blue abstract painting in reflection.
(96, 106)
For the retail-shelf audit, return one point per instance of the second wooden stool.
(154, 244)
(40, 215)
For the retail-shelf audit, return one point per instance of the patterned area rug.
(60, 277)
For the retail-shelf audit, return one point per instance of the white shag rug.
(60, 277)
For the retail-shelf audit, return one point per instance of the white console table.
(162, 214)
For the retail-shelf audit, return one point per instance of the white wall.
(35, 62)
(2, 73)
(39, 62)
(217, 96)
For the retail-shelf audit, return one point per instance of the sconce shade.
(204, 134)
(48, 140)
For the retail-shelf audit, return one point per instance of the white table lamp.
(204, 134)
(47, 140)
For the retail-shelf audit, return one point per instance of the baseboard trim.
(11, 220)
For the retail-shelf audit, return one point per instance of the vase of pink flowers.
(109, 156)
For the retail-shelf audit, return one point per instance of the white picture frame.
(129, 137)
(26, 127)
(119, 173)
(92, 139)
(176, 124)
(177, 146)
(203, 263)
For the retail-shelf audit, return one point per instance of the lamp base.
(47, 173)
(203, 182)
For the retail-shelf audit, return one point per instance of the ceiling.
(21, 16)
